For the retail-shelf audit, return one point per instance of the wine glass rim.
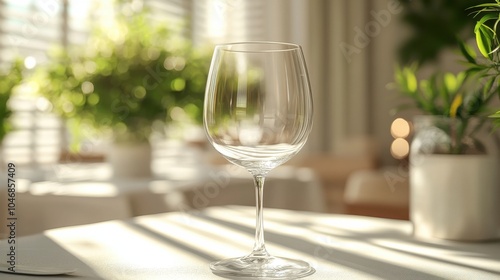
(286, 47)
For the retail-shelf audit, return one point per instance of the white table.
(180, 245)
(69, 199)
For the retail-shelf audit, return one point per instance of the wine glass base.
(262, 267)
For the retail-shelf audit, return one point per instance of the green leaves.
(445, 94)
(467, 52)
(486, 38)
(487, 70)
(406, 79)
(452, 82)
(483, 41)
(486, 32)
(496, 119)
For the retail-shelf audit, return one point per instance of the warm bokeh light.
(400, 148)
(400, 128)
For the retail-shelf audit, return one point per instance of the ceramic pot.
(130, 160)
(454, 181)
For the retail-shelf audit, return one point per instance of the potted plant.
(454, 192)
(125, 81)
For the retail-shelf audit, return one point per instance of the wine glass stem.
(259, 248)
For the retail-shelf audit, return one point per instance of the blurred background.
(94, 68)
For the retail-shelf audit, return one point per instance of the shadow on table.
(367, 265)
(468, 249)
(358, 262)
(463, 249)
(170, 241)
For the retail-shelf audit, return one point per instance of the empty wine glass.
(258, 114)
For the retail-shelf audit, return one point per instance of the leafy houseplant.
(453, 171)
(126, 79)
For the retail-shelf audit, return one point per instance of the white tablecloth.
(180, 245)
(74, 201)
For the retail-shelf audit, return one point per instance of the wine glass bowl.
(258, 114)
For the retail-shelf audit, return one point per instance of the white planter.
(455, 197)
(130, 160)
